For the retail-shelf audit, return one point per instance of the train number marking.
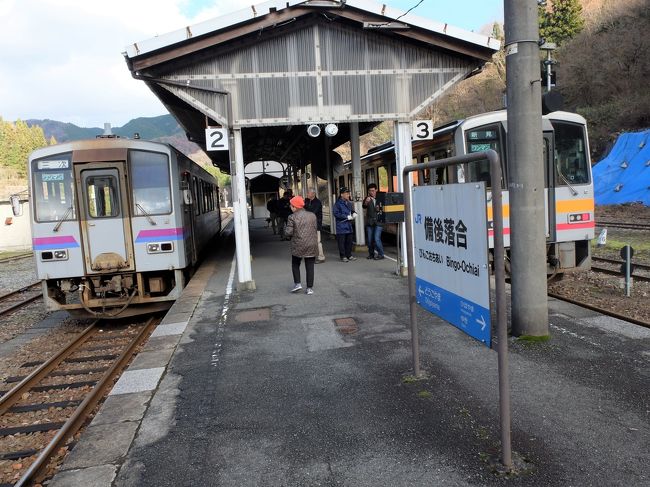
(422, 130)
(216, 139)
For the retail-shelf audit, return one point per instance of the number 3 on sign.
(216, 139)
(422, 130)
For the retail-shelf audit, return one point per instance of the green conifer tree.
(562, 21)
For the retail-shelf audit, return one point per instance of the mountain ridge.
(162, 128)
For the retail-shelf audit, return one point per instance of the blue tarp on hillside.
(624, 175)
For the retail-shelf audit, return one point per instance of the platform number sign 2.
(422, 130)
(216, 138)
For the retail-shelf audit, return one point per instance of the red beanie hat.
(297, 202)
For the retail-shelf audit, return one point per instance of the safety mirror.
(16, 206)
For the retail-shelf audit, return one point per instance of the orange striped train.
(569, 192)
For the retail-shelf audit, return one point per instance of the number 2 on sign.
(422, 130)
(216, 139)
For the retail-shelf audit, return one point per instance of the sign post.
(499, 279)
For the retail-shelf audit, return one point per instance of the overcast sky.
(62, 59)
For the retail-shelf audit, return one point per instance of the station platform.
(269, 388)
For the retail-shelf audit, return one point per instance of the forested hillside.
(603, 62)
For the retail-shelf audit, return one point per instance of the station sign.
(216, 139)
(422, 130)
(451, 255)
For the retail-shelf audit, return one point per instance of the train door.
(549, 185)
(189, 202)
(106, 232)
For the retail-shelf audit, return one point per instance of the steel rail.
(619, 262)
(12, 396)
(22, 289)
(629, 226)
(613, 272)
(603, 311)
(15, 257)
(77, 419)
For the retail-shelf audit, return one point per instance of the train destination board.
(451, 255)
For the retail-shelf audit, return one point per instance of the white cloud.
(61, 59)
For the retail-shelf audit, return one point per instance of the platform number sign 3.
(422, 130)
(216, 138)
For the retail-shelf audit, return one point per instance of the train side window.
(197, 202)
(370, 176)
(394, 176)
(150, 183)
(383, 178)
(102, 194)
(426, 173)
(341, 183)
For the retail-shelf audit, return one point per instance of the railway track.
(617, 270)
(17, 299)
(15, 257)
(43, 409)
(603, 311)
(625, 225)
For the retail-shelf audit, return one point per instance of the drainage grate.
(346, 326)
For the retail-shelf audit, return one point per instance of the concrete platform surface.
(271, 388)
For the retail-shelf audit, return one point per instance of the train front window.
(102, 195)
(482, 139)
(53, 188)
(150, 182)
(383, 178)
(571, 162)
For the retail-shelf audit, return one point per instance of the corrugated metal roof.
(262, 9)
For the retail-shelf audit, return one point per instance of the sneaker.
(309, 291)
(296, 288)
(370, 257)
(379, 257)
(352, 257)
(344, 259)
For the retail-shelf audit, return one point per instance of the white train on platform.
(569, 191)
(118, 224)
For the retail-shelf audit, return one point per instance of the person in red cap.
(303, 232)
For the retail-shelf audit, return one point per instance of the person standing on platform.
(373, 227)
(284, 210)
(302, 230)
(314, 205)
(344, 215)
(272, 207)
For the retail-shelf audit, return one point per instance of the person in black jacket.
(284, 210)
(313, 204)
(373, 227)
(272, 207)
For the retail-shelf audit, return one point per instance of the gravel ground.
(16, 274)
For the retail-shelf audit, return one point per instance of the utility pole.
(525, 161)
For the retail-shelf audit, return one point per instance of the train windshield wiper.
(149, 219)
(574, 192)
(65, 216)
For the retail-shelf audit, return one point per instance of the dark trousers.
(309, 265)
(345, 244)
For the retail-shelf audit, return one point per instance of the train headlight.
(51, 255)
(60, 255)
(579, 217)
(156, 248)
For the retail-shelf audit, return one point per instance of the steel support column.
(526, 184)
(356, 189)
(403, 158)
(240, 216)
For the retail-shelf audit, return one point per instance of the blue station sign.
(451, 255)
